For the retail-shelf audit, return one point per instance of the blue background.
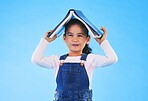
(24, 22)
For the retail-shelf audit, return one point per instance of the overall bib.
(72, 81)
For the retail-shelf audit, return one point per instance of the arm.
(37, 56)
(110, 55)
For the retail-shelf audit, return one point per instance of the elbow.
(34, 60)
(110, 61)
(114, 60)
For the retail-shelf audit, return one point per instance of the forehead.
(75, 29)
(70, 33)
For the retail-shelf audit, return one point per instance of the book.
(76, 14)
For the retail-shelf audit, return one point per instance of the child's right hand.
(49, 39)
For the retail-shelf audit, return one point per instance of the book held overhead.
(76, 14)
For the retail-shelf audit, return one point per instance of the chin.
(76, 51)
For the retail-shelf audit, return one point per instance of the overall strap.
(63, 57)
(83, 57)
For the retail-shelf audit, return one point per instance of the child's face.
(76, 39)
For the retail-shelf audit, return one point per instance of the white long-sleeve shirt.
(91, 63)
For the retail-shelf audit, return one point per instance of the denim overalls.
(72, 81)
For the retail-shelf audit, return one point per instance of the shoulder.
(91, 56)
(52, 57)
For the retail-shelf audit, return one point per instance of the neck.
(74, 53)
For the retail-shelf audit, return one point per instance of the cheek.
(67, 42)
(85, 41)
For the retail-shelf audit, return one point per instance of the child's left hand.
(100, 40)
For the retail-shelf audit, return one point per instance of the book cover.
(76, 14)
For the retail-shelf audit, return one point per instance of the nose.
(75, 39)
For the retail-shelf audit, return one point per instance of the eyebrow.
(77, 33)
(69, 33)
(81, 33)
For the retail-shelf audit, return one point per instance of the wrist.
(45, 38)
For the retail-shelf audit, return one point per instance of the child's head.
(76, 37)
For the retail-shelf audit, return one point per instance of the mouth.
(75, 45)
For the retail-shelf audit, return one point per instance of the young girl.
(74, 70)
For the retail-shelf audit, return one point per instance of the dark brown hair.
(86, 49)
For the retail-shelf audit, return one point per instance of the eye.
(80, 35)
(70, 34)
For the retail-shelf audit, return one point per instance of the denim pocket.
(71, 77)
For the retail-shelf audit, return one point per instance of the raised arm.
(38, 57)
(110, 55)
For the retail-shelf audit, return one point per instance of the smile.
(75, 44)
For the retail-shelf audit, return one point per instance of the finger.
(103, 29)
(46, 34)
(55, 36)
(49, 31)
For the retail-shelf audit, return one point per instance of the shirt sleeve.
(109, 58)
(39, 59)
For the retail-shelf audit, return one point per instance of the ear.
(64, 38)
(88, 40)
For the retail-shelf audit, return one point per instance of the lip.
(75, 44)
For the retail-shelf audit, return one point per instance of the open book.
(76, 14)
